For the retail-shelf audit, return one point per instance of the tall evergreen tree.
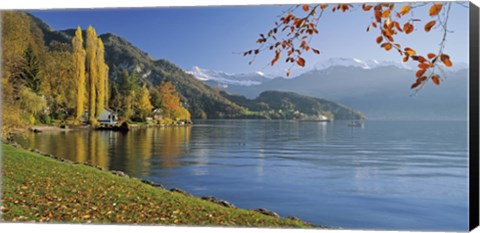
(30, 69)
(79, 67)
(92, 70)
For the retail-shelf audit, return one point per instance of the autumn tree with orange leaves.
(291, 36)
(171, 103)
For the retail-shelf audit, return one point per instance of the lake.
(390, 175)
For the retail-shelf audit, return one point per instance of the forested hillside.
(51, 78)
(289, 105)
(69, 77)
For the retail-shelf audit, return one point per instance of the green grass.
(39, 189)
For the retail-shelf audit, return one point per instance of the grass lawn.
(40, 189)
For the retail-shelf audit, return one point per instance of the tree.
(170, 98)
(102, 79)
(22, 45)
(171, 104)
(128, 105)
(126, 92)
(143, 105)
(59, 71)
(32, 103)
(115, 98)
(181, 114)
(92, 71)
(292, 33)
(29, 74)
(79, 69)
(128, 82)
(156, 98)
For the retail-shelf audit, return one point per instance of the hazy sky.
(212, 37)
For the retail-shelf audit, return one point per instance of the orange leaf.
(408, 28)
(436, 79)
(378, 16)
(301, 62)
(397, 26)
(386, 13)
(288, 73)
(379, 39)
(405, 9)
(387, 46)
(410, 51)
(416, 84)
(446, 60)
(435, 9)
(421, 59)
(429, 25)
(277, 56)
(431, 55)
(323, 6)
(315, 51)
(305, 7)
(405, 59)
(366, 7)
(420, 73)
(423, 66)
(390, 38)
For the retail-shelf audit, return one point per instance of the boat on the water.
(357, 124)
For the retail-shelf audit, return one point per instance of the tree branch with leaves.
(293, 31)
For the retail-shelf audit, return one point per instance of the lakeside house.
(157, 114)
(108, 117)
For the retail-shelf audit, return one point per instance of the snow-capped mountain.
(224, 79)
(372, 63)
(381, 89)
(364, 64)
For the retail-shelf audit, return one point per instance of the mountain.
(223, 80)
(289, 105)
(202, 100)
(354, 62)
(381, 90)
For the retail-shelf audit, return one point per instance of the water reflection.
(132, 152)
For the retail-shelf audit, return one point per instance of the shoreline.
(122, 174)
(54, 128)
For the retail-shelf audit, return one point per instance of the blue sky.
(212, 37)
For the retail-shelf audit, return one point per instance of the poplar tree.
(107, 94)
(102, 78)
(92, 70)
(79, 67)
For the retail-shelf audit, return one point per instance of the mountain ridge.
(202, 100)
(381, 92)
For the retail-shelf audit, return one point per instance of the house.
(157, 113)
(108, 117)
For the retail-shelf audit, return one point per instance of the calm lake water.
(388, 175)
